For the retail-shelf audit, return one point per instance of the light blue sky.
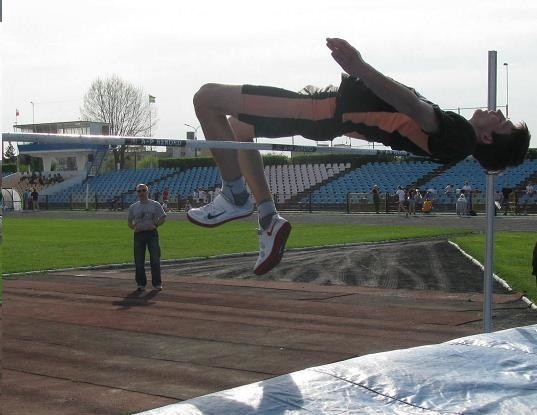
(52, 50)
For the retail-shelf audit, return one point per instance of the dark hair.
(506, 150)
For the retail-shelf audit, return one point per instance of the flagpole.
(149, 115)
(151, 101)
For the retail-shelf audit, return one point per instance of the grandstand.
(295, 186)
(388, 176)
(469, 169)
(286, 181)
(105, 188)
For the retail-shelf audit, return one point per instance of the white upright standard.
(490, 208)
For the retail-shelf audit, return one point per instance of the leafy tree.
(9, 153)
(123, 106)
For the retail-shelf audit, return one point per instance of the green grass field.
(513, 253)
(39, 244)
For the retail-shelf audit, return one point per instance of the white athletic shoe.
(272, 244)
(219, 211)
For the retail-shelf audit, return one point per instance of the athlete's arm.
(395, 94)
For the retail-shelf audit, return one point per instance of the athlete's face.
(488, 122)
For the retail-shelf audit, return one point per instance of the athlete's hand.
(345, 55)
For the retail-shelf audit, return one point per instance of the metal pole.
(195, 137)
(506, 89)
(489, 233)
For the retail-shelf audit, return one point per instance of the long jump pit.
(218, 340)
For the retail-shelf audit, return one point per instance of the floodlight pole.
(490, 206)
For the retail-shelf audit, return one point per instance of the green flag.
(151, 99)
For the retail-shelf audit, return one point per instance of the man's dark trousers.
(142, 240)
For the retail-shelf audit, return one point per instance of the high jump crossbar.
(42, 138)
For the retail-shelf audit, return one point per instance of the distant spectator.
(401, 199)
(202, 196)
(165, 195)
(449, 191)
(527, 196)
(195, 195)
(419, 199)
(427, 206)
(412, 198)
(376, 198)
(497, 201)
(461, 206)
(517, 196)
(35, 199)
(529, 189)
(467, 189)
(506, 192)
(25, 199)
(115, 203)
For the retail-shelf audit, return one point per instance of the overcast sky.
(52, 50)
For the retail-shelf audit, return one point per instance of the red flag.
(16, 113)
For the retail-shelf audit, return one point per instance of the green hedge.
(186, 163)
(9, 168)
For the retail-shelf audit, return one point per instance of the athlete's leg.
(251, 162)
(213, 103)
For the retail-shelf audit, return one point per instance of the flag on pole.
(151, 99)
(16, 113)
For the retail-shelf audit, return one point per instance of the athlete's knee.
(203, 98)
(217, 99)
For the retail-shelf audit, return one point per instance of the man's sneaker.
(272, 244)
(140, 288)
(157, 287)
(219, 211)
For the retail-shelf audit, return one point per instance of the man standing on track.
(144, 218)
